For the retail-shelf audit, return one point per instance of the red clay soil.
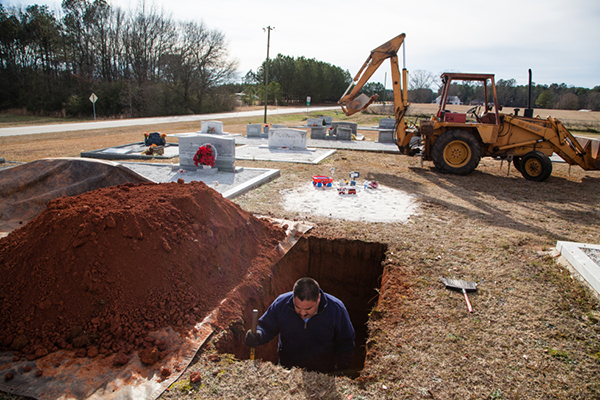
(97, 272)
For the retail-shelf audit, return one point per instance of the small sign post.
(307, 103)
(93, 99)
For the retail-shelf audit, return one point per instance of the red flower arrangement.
(205, 156)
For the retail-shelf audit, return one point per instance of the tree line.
(510, 95)
(138, 63)
(292, 80)
(143, 63)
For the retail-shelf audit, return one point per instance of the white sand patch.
(370, 205)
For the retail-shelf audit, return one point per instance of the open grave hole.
(350, 270)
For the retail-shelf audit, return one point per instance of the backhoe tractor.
(455, 141)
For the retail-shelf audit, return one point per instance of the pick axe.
(254, 325)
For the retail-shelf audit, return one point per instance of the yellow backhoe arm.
(350, 102)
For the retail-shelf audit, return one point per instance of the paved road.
(34, 130)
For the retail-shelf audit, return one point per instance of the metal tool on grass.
(254, 325)
(460, 285)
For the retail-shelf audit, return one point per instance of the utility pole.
(384, 87)
(268, 29)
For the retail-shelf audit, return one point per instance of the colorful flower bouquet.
(205, 155)
(154, 150)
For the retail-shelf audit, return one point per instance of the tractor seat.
(488, 118)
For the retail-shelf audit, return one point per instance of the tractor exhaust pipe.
(528, 113)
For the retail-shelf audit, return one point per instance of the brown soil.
(535, 332)
(103, 269)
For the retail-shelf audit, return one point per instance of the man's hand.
(253, 339)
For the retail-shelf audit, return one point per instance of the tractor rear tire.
(536, 166)
(456, 152)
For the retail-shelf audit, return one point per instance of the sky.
(558, 39)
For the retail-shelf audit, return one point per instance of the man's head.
(306, 297)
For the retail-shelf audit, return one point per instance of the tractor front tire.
(536, 166)
(456, 152)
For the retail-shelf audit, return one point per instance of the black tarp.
(26, 189)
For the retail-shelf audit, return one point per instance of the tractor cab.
(486, 111)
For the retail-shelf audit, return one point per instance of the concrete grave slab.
(228, 184)
(266, 153)
(287, 138)
(132, 151)
(116, 150)
(357, 145)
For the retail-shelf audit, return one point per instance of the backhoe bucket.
(361, 102)
(591, 147)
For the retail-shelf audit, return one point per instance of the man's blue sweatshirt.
(324, 343)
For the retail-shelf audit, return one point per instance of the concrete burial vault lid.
(575, 254)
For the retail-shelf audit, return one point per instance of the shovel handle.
(467, 300)
(254, 320)
(254, 325)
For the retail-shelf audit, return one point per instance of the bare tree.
(204, 51)
(419, 85)
(420, 79)
(80, 28)
(150, 35)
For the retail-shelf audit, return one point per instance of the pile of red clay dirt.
(95, 273)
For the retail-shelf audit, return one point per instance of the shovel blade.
(459, 284)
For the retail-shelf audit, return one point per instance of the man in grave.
(315, 331)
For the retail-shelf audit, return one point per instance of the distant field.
(586, 122)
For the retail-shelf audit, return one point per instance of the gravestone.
(343, 133)
(314, 122)
(288, 138)
(328, 120)
(272, 126)
(386, 136)
(188, 146)
(318, 132)
(352, 125)
(386, 130)
(212, 127)
(387, 123)
(253, 130)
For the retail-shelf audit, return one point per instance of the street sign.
(308, 100)
(93, 99)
